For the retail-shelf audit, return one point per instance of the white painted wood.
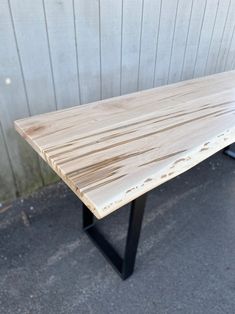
(180, 40)
(13, 105)
(226, 40)
(206, 37)
(60, 25)
(230, 59)
(7, 181)
(190, 54)
(151, 18)
(87, 19)
(31, 36)
(217, 36)
(166, 36)
(131, 32)
(31, 33)
(110, 30)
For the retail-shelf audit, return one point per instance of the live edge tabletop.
(112, 151)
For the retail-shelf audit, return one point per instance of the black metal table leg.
(229, 152)
(123, 266)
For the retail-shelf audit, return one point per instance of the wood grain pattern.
(131, 39)
(14, 105)
(61, 53)
(59, 18)
(110, 47)
(179, 43)
(36, 62)
(87, 25)
(112, 151)
(207, 31)
(150, 28)
(217, 36)
(226, 39)
(6, 173)
(193, 39)
(168, 18)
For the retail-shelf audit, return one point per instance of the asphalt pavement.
(185, 261)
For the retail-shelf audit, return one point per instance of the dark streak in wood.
(86, 190)
(149, 134)
(148, 180)
(162, 158)
(223, 113)
(179, 160)
(34, 129)
(103, 139)
(106, 162)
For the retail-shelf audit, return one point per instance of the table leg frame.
(123, 266)
(229, 152)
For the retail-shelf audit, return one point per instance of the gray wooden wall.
(60, 53)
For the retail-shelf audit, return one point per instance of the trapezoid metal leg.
(123, 266)
(229, 152)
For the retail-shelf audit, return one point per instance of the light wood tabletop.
(110, 152)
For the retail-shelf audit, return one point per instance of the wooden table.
(113, 151)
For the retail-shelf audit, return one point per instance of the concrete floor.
(185, 261)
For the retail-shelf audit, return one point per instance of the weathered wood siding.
(59, 53)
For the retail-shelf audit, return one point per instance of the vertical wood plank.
(151, 17)
(180, 40)
(60, 23)
(206, 37)
(217, 36)
(230, 58)
(227, 39)
(87, 16)
(31, 36)
(233, 64)
(110, 31)
(131, 31)
(7, 184)
(165, 39)
(195, 27)
(30, 24)
(13, 105)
